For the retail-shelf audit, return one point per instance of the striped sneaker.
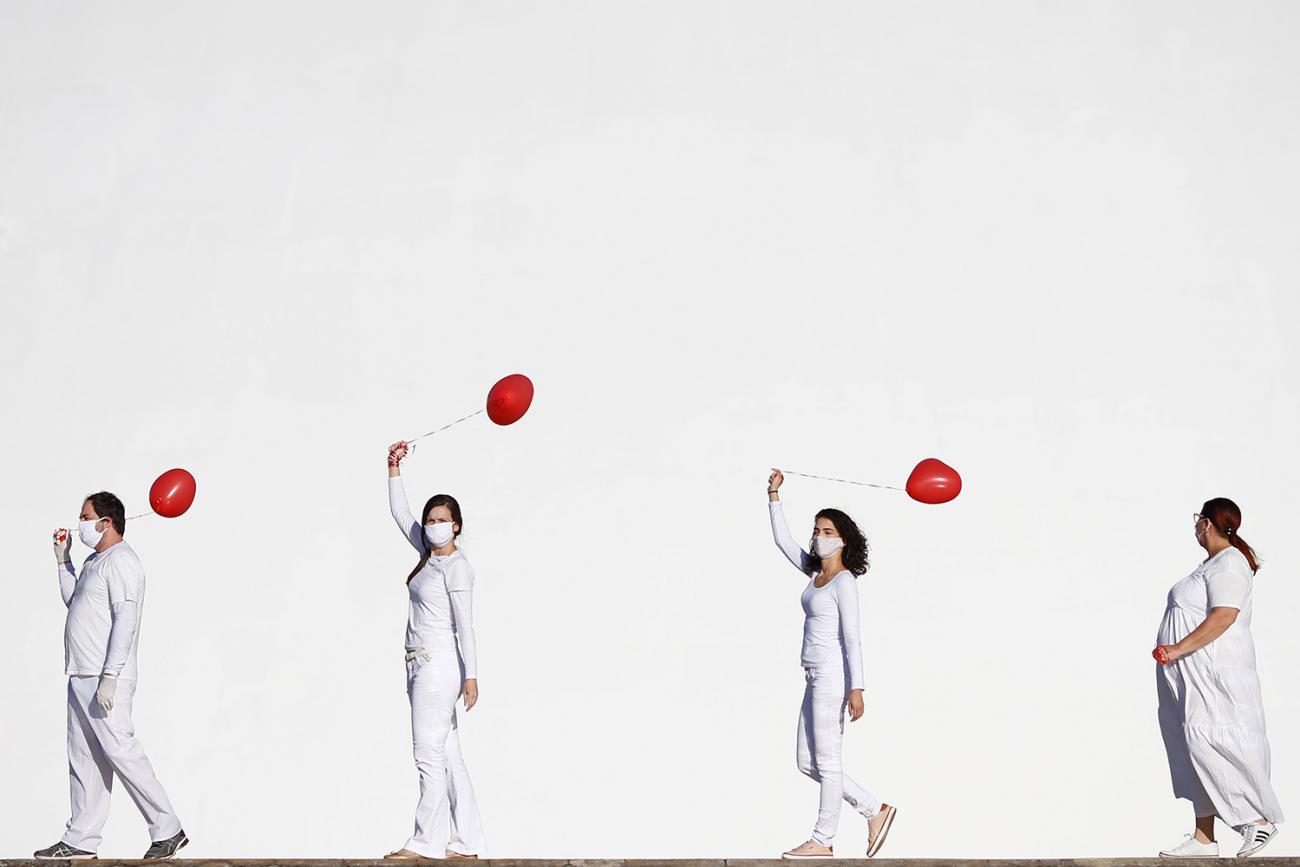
(61, 851)
(1255, 837)
(161, 850)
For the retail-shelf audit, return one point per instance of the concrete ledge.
(684, 862)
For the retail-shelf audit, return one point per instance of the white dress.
(1211, 709)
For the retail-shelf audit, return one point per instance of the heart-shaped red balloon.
(933, 482)
(509, 399)
(172, 493)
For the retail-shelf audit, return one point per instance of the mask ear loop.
(129, 518)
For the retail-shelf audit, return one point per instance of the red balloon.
(933, 482)
(172, 493)
(509, 399)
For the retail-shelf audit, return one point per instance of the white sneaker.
(1192, 848)
(1255, 837)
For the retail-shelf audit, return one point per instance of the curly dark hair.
(857, 551)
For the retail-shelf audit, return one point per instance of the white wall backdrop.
(1051, 243)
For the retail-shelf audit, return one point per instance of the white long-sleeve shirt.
(440, 615)
(830, 623)
(105, 608)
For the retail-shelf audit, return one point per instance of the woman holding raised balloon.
(441, 666)
(1211, 708)
(832, 660)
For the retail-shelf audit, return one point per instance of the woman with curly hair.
(832, 661)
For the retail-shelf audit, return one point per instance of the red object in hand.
(933, 482)
(172, 494)
(509, 399)
(1161, 654)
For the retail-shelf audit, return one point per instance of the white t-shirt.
(107, 578)
(431, 621)
(440, 616)
(831, 633)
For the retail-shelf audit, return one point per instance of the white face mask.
(825, 546)
(439, 534)
(90, 537)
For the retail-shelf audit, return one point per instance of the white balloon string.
(141, 515)
(842, 481)
(444, 427)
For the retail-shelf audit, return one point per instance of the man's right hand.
(62, 546)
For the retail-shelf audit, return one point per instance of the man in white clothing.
(105, 608)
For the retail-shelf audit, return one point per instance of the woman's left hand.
(856, 706)
(1167, 654)
(470, 691)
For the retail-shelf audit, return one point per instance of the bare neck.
(1216, 545)
(832, 566)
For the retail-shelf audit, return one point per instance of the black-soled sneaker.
(61, 851)
(164, 849)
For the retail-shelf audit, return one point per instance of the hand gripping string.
(843, 481)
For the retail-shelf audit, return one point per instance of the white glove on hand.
(62, 546)
(107, 687)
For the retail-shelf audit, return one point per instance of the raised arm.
(397, 502)
(780, 530)
(846, 599)
(62, 556)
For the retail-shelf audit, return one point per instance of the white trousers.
(103, 744)
(447, 816)
(821, 733)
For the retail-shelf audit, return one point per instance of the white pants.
(101, 744)
(821, 732)
(447, 816)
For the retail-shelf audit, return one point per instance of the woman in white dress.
(441, 666)
(1211, 709)
(832, 660)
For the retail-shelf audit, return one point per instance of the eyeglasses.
(1198, 518)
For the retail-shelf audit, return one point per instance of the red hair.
(1225, 516)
